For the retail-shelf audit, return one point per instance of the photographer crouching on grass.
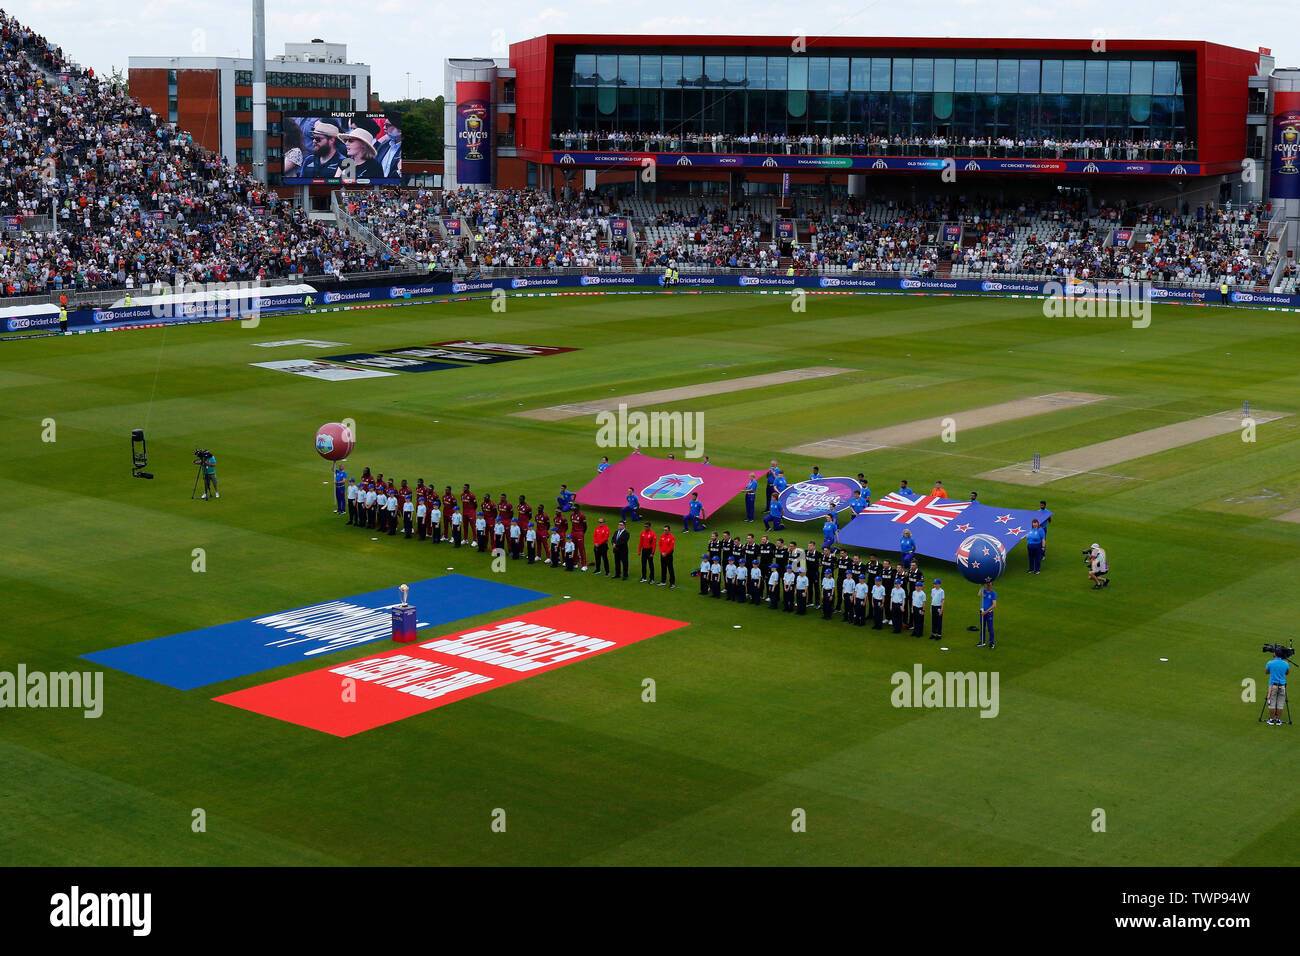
(1098, 569)
(207, 463)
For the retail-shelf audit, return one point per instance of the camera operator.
(208, 463)
(1098, 569)
(1277, 670)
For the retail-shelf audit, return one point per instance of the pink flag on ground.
(663, 484)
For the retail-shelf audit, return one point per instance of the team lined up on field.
(778, 573)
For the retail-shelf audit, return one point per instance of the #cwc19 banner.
(1285, 179)
(473, 134)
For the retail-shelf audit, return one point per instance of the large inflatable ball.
(334, 441)
(981, 556)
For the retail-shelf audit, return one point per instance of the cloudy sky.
(397, 37)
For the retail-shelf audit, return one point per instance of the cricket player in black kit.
(813, 565)
(766, 554)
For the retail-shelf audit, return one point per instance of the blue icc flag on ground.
(938, 525)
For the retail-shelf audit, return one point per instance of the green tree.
(421, 124)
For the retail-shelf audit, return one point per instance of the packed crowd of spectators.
(861, 144)
(408, 223)
(515, 228)
(718, 237)
(1201, 245)
(135, 201)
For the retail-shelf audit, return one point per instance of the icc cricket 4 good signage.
(473, 133)
(1285, 181)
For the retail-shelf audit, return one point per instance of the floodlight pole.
(259, 91)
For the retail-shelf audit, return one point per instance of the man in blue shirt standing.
(906, 547)
(751, 492)
(988, 601)
(1277, 670)
(774, 512)
(769, 479)
(694, 514)
(857, 503)
(633, 504)
(340, 489)
(816, 474)
(1034, 540)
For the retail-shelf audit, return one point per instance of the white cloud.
(401, 35)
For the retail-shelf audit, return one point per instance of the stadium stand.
(133, 201)
(862, 145)
(100, 194)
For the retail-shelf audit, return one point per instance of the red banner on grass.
(663, 484)
(382, 688)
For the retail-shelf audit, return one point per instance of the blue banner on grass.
(938, 525)
(214, 654)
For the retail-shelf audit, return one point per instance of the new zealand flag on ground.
(938, 525)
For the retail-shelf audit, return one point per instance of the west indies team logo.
(324, 443)
(807, 500)
(671, 487)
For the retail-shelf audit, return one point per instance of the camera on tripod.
(1281, 650)
(207, 473)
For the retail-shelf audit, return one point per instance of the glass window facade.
(736, 93)
(319, 81)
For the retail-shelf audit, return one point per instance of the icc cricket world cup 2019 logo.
(1288, 142)
(473, 130)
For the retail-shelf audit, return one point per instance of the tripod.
(1286, 704)
(198, 476)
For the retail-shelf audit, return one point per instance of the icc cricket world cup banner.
(1285, 179)
(473, 132)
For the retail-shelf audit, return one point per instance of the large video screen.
(342, 148)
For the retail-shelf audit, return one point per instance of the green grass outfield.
(748, 724)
